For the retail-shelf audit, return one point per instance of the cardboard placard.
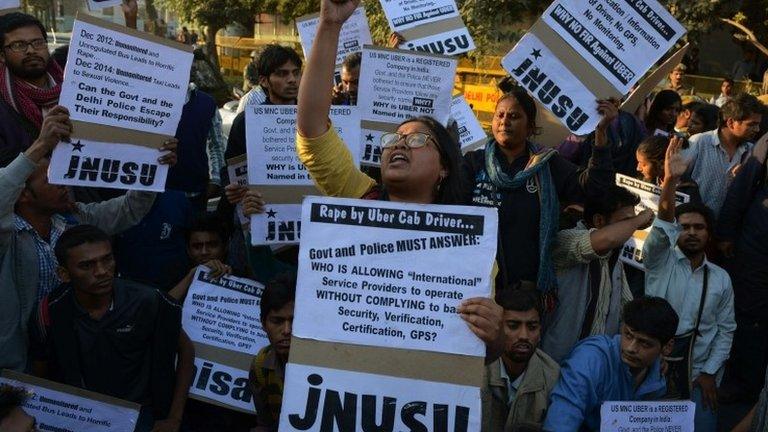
(644, 416)
(96, 164)
(622, 40)
(355, 33)
(374, 309)
(592, 49)
(61, 407)
(471, 133)
(433, 26)
(122, 85)
(237, 168)
(222, 319)
(396, 85)
(636, 98)
(94, 5)
(632, 252)
(7, 6)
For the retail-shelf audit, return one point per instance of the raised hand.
(337, 11)
(675, 164)
(56, 128)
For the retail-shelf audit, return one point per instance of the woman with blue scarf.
(529, 185)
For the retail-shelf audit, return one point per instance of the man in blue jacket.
(625, 367)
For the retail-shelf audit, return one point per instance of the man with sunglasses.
(30, 82)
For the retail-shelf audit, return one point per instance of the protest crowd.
(96, 282)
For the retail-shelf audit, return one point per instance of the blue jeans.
(706, 419)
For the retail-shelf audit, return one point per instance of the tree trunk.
(151, 10)
(210, 44)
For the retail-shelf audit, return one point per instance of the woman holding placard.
(420, 163)
(528, 184)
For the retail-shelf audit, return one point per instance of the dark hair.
(692, 105)
(207, 222)
(663, 100)
(252, 73)
(653, 316)
(613, 198)
(60, 55)
(273, 56)
(452, 189)
(10, 398)
(700, 208)
(76, 236)
(278, 292)
(728, 80)
(709, 115)
(520, 300)
(352, 61)
(526, 102)
(739, 108)
(16, 20)
(654, 148)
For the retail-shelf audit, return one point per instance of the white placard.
(632, 252)
(107, 165)
(224, 313)
(57, 410)
(547, 79)
(9, 4)
(355, 33)
(396, 86)
(238, 174)
(392, 274)
(117, 79)
(668, 416)
(471, 133)
(316, 398)
(94, 5)
(280, 224)
(407, 14)
(271, 143)
(225, 384)
(621, 39)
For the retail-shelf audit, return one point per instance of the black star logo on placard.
(536, 54)
(77, 147)
(271, 213)
(369, 137)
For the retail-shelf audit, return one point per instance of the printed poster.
(621, 39)
(632, 252)
(398, 85)
(316, 398)
(118, 79)
(107, 165)
(433, 26)
(355, 33)
(642, 416)
(59, 407)
(222, 318)
(549, 81)
(391, 274)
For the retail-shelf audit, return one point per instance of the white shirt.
(668, 275)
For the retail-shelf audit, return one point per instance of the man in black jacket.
(112, 336)
(742, 232)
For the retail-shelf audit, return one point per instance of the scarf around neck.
(28, 100)
(549, 205)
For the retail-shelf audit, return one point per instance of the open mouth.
(398, 157)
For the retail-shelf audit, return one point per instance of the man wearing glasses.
(30, 82)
